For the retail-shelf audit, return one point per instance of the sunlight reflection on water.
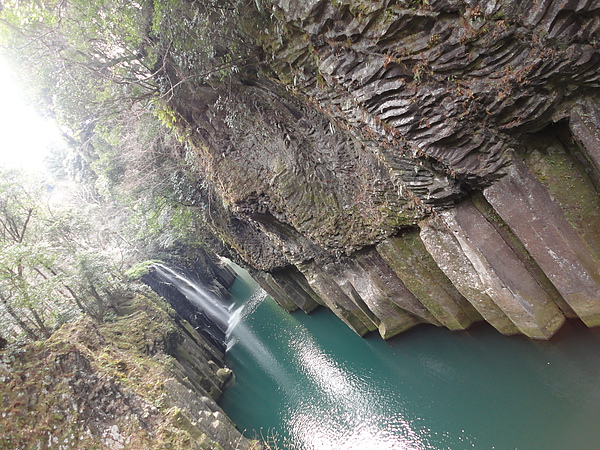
(315, 385)
(343, 412)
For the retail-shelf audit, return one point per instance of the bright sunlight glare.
(25, 137)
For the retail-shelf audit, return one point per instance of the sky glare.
(25, 136)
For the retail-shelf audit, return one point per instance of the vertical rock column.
(452, 259)
(366, 294)
(289, 288)
(395, 307)
(408, 258)
(584, 123)
(490, 274)
(358, 286)
(539, 223)
(356, 316)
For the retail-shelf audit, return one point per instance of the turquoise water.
(313, 384)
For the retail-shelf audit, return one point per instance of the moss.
(517, 246)
(180, 420)
(89, 378)
(409, 259)
(138, 270)
(560, 171)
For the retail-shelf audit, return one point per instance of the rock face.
(140, 381)
(405, 162)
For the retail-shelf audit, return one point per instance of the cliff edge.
(406, 162)
(140, 381)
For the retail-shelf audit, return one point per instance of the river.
(310, 383)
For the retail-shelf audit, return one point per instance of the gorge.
(307, 382)
(411, 162)
(420, 177)
(405, 163)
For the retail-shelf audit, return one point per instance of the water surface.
(315, 385)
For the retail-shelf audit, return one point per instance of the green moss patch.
(96, 386)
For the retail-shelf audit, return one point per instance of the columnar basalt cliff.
(406, 162)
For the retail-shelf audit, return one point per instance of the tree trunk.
(19, 320)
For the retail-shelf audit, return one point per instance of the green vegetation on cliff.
(126, 383)
(58, 259)
(298, 138)
(352, 153)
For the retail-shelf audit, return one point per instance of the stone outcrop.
(215, 274)
(406, 162)
(208, 272)
(140, 381)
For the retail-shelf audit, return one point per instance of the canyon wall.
(407, 162)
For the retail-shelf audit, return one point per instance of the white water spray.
(204, 300)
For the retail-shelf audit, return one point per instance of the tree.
(92, 58)
(97, 64)
(26, 293)
(55, 262)
(110, 71)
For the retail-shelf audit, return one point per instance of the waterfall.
(215, 314)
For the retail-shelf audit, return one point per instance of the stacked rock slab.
(496, 282)
(414, 162)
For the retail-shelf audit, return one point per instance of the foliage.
(109, 71)
(92, 59)
(24, 256)
(140, 269)
(156, 180)
(56, 262)
(87, 379)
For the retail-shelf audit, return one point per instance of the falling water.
(318, 386)
(215, 310)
